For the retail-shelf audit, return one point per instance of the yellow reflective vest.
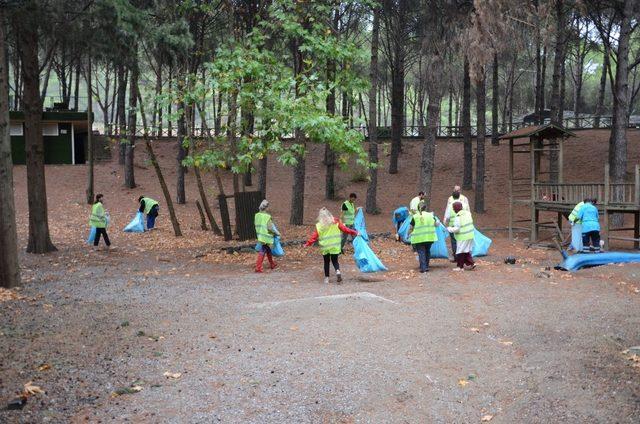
(466, 226)
(573, 216)
(98, 217)
(261, 222)
(424, 228)
(329, 239)
(348, 216)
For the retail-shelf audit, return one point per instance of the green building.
(64, 133)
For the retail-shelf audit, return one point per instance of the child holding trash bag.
(149, 207)
(328, 235)
(99, 220)
(461, 224)
(588, 215)
(265, 230)
(423, 235)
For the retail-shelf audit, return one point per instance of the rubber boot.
(272, 264)
(259, 262)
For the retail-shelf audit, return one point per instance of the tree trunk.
(450, 111)
(76, 91)
(538, 107)
(494, 102)
(429, 147)
(371, 204)
(618, 137)
(9, 264)
(602, 89)
(262, 176)
(481, 123)
(154, 161)
(121, 113)
(299, 170)
(556, 91)
(543, 83)
(181, 196)
(129, 177)
(467, 178)
(39, 238)
(329, 155)
(89, 135)
(397, 109)
(231, 133)
(205, 202)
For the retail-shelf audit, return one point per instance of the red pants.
(463, 259)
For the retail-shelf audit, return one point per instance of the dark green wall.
(57, 150)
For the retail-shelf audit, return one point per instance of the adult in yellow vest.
(414, 204)
(462, 226)
(149, 207)
(100, 220)
(328, 235)
(265, 231)
(456, 196)
(348, 216)
(423, 235)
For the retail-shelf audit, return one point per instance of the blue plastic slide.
(366, 260)
(360, 226)
(583, 260)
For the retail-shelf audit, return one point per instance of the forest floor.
(97, 331)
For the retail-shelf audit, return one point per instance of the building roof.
(544, 131)
(52, 116)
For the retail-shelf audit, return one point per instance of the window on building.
(16, 129)
(50, 129)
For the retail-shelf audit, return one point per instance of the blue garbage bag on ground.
(136, 225)
(439, 248)
(481, 244)
(576, 237)
(360, 226)
(92, 235)
(366, 260)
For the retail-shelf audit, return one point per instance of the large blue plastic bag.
(576, 237)
(399, 215)
(92, 235)
(360, 226)
(136, 225)
(481, 244)
(366, 260)
(439, 248)
(404, 230)
(277, 249)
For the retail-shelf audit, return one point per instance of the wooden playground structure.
(545, 190)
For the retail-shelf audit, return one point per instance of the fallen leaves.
(506, 342)
(44, 367)
(486, 418)
(173, 375)
(127, 390)
(31, 389)
(6, 295)
(462, 382)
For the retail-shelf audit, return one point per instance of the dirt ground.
(519, 343)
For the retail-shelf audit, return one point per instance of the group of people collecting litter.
(585, 218)
(332, 233)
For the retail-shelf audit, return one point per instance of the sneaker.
(456, 269)
(470, 267)
(339, 278)
(326, 280)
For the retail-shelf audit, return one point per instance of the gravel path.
(281, 347)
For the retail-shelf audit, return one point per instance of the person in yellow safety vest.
(573, 216)
(347, 216)
(423, 235)
(149, 207)
(462, 227)
(265, 231)
(414, 205)
(456, 196)
(328, 235)
(100, 220)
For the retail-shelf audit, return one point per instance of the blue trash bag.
(399, 215)
(366, 260)
(92, 235)
(403, 232)
(439, 248)
(576, 237)
(276, 249)
(481, 244)
(136, 225)
(360, 226)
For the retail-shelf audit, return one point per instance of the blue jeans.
(151, 217)
(424, 254)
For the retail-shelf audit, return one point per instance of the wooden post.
(511, 190)
(534, 224)
(224, 215)
(637, 185)
(636, 223)
(606, 205)
(560, 142)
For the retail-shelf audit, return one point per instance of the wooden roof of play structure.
(546, 131)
